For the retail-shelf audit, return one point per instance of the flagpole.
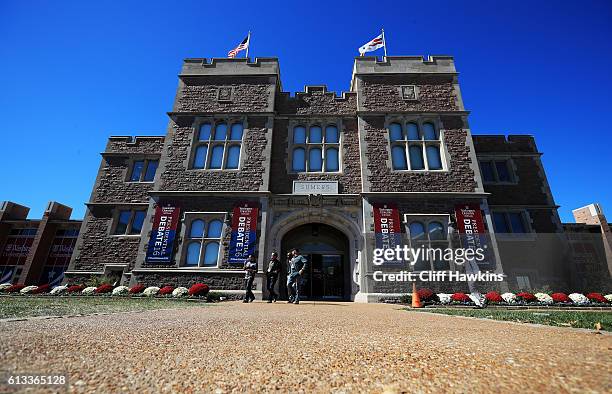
(249, 44)
(384, 42)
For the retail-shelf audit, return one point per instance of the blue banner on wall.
(161, 243)
(244, 232)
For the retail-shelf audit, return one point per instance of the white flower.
(544, 298)
(444, 298)
(5, 286)
(89, 290)
(608, 297)
(28, 289)
(578, 298)
(151, 291)
(121, 290)
(58, 290)
(510, 298)
(180, 292)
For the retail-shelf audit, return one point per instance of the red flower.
(199, 289)
(15, 288)
(493, 297)
(560, 297)
(137, 289)
(42, 289)
(105, 288)
(75, 289)
(166, 290)
(460, 297)
(425, 294)
(597, 297)
(527, 297)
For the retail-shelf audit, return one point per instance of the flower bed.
(198, 290)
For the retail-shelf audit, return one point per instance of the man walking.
(250, 268)
(274, 269)
(297, 266)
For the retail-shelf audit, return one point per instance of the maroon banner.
(163, 233)
(472, 232)
(387, 227)
(244, 232)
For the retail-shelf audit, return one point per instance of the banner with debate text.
(387, 228)
(244, 232)
(163, 234)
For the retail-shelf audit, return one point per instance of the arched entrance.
(327, 251)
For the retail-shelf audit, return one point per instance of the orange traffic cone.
(416, 300)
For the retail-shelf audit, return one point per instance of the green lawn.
(13, 307)
(577, 319)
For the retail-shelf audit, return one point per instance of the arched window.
(205, 129)
(299, 135)
(436, 231)
(216, 159)
(221, 132)
(433, 157)
(422, 144)
(214, 229)
(220, 143)
(315, 151)
(417, 231)
(193, 254)
(202, 239)
(331, 160)
(429, 132)
(236, 132)
(233, 157)
(395, 132)
(197, 229)
(413, 132)
(398, 156)
(315, 136)
(299, 159)
(331, 135)
(211, 254)
(416, 157)
(315, 160)
(199, 160)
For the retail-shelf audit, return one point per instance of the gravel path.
(322, 347)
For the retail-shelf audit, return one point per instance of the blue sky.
(74, 73)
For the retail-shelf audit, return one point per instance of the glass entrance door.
(325, 277)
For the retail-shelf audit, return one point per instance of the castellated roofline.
(371, 65)
(313, 89)
(230, 67)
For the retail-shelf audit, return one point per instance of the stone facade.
(237, 90)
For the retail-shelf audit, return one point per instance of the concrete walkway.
(321, 347)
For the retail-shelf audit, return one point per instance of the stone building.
(36, 251)
(247, 168)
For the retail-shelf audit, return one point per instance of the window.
(203, 239)
(415, 146)
(429, 232)
(130, 222)
(315, 149)
(523, 282)
(510, 222)
(496, 171)
(218, 146)
(144, 170)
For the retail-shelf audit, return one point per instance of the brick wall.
(216, 281)
(249, 177)
(97, 248)
(459, 178)
(382, 94)
(252, 94)
(316, 101)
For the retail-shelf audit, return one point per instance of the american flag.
(241, 47)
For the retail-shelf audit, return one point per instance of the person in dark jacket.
(274, 269)
(296, 269)
(250, 267)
